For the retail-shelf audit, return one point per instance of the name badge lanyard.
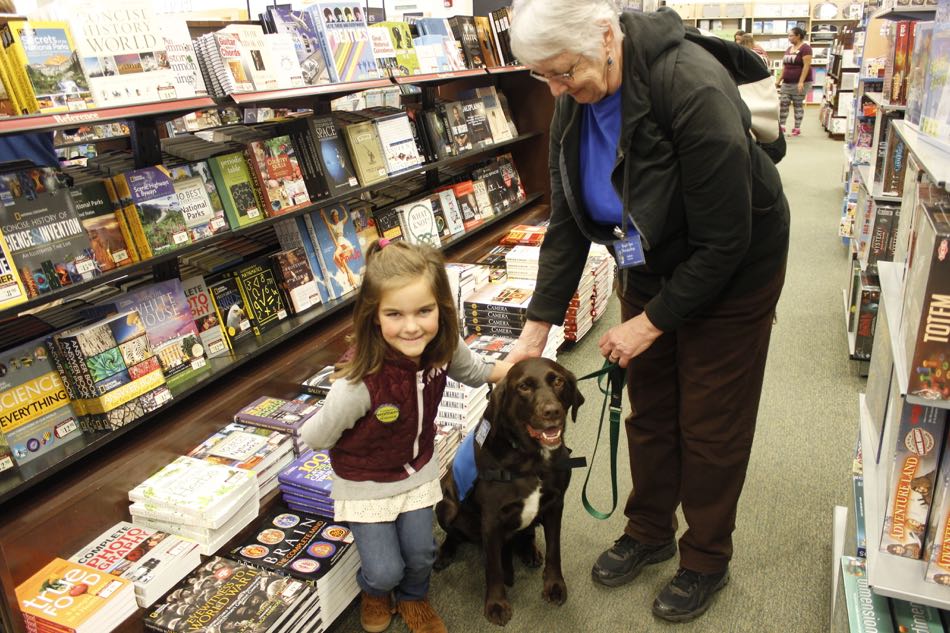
(628, 248)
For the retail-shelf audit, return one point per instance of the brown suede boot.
(420, 617)
(376, 612)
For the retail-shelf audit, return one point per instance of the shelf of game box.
(878, 98)
(932, 154)
(147, 264)
(20, 480)
(905, 13)
(40, 122)
(890, 575)
(247, 98)
(873, 188)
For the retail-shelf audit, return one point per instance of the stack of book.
(462, 406)
(310, 548)
(521, 262)
(224, 595)
(447, 440)
(151, 559)
(306, 484)
(209, 503)
(319, 383)
(593, 291)
(498, 309)
(65, 596)
(277, 414)
(264, 451)
(526, 234)
(464, 280)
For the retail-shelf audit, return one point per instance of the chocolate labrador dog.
(521, 472)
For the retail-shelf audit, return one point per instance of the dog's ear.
(496, 401)
(574, 396)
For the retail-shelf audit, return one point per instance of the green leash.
(613, 393)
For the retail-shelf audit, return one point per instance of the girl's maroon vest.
(381, 443)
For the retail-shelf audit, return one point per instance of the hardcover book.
(399, 146)
(12, 291)
(311, 471)
(486, 41)
(440, 137)
(334, 235)
(224, 595)
(477, 121)
(65, 596)
(346, 37)
(362, 139)
(465, 33)
(182, 58)
(45, 53)
(418, 223)
(296, 280)
(383, 51)
(863, 605)
(35, 410)
(458, 126)
(365, 224)
(202, 309)
(152, 210)
(334, 156)
(199, 200)
(242, 446)
(468, 206)
(6, 455)
(263, 304)
(153, 560)
(96, 211)
(278, 175)
(284, 58)
(278, 414)
(293, 233)
(121, 70)
(255, 56)
(237, 189)
(229, 307)
(49, 247)
(319, 384)
(511, 297)
(494, 114)
(307, 42)
(400, 39)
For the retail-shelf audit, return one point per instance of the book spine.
(315, 241)
(131, 249)
(17, 64)
(258, 177)
(56, 355)
(75, 363)
(221, 320)
(8, 83)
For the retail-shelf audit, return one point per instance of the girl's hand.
(629, 339)
(531, 343)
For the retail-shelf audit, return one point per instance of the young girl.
(378, 422)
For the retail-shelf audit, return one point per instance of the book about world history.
(343, 30)
(205, 316)
(237, 189)
(274, 164)
(225, 595)
(199, 200)
(307, 42)
(35, 410)
(152, 210)
(96, 210)
(153, 560)
(66, 596)
(45, 53)
(49, 247)
(121, 50)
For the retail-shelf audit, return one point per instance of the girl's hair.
(738, 33)
(391, 267)
(747, 40)
(799, 31)
(7, 6)
(542, 29)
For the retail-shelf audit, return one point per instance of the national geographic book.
(263, 304)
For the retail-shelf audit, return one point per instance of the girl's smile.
(409, 317)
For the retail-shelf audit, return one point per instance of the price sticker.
(85, 266)
(120, 256)
(216, 346)
(9, 292)
(245, 324)
(66, 428)
(180, 238)
(198, 363)
(218, 223)
(281, 314)
(253, 213)
(6, 464)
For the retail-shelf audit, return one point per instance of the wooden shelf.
(438, 78)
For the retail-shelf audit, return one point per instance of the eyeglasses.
(562, 77)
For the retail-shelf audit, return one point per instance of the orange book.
(65, 596)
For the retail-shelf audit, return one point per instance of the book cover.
(224, 595)
(465, 196)
(477, 121)
(333, 156)
(511, 297)
(65, 596)
(241, 446)
(440, 138)
(399, 146)
(365, 224)
(307, 43)
(255, 56)
(511, 180)
(96, 211)
(388, 224)
(236, 188)
(199, 200)
(486, 41)
(483, 199)
(463, 28)
(451, 211)
(284, 58)
(418, 223)
(46, 52)
(306, 151)
(152, 210)
(347, 40)
(400, 38)
(863, 605)
(319, 383)
(383, 51)
(458, 125)
(49, 247)
(12, 291)
(35, 410)
(229, 63)
(263, 304)
(205, 317)
(335, 237)
(311, 471)
(182, 58)
(121, 70)
(366, 150)
(229, 307)
(300, 545)
(281, 183)
(277, 414)
(494, 115)
(296, 279)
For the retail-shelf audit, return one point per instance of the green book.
(242, 204)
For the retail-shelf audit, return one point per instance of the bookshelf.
(86, 485)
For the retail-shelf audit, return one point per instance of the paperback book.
(311, 472)
(93, 202)
(237, 189)
(263, 304)
(229, 308)
(278, 175)
(255, 56)
(284, 58)
(400, 38)
(362, 139)
(152, 210)
(277, 414)
(418, 223)
(199, 200)
(398, 143)
(296, 280)
(242, 446)
(307, 42)
(334, 235)
(346, 39)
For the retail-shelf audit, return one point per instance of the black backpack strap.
(661, 87)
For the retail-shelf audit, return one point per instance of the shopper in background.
(737, 37)
(406, 343)
(796, 78)
(748, 41)
(699, 224)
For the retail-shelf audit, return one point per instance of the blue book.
(311, 471)
(311, 52)
(338, 248)
(343, 31)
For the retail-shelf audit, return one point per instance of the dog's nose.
(552, 411)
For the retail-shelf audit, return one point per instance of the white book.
(209, 540)
(284, 57)
(255, 55)
(123, 69)
(203, 493)
(418, 223)
(399, 145)
(226, 55)
(485, 208)
(451, 211)
(182, 57)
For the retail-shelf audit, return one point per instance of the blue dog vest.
(463, 468)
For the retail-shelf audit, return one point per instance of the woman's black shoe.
(622, 562)
(688, 595)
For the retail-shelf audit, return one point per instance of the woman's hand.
(531, 343)
(801, 88)
(629, 339)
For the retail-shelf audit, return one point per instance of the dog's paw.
(531, 556)
(555, 592)
(498, 612)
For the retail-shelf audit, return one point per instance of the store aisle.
(799, 469)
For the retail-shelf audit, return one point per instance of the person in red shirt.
(748, 41)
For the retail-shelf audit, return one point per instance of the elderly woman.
(698, 222)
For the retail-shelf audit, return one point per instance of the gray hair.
(542, 29)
